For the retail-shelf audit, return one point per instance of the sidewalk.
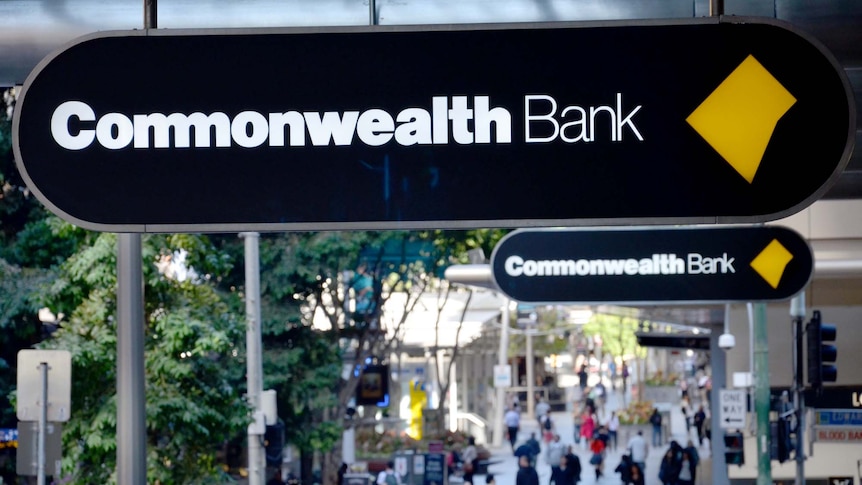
(506, 466)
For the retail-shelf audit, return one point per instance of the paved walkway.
(506, 467)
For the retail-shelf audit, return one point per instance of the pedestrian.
(612, 368)
(542, 411)
(636, 476)
(547, 430)
(513, 423)
(554, 452)
(578, 421)
(692, 451)
(625, 374)
(687, 469)
(588, 427)
(668, 471)
(388, 476)
(489, 479)
(470, 457)
(582, 376)
(625, 468)
(274, 480)
(535, 448)
(597, 459)
(573, 462)
(613, 428)
(638, 448)
(526, 473)
(655, 421)
(564, 473)
(699, 419)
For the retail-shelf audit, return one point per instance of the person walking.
(554, 452)
(638, 448)
(692, 451)
(613, 428)
(636, 476)
(513, 423)
(526, 473)
(582, 377)
(588, 427)
(668, 471)
(699, 419)
(574, 463)
(687, 469)
(655, 421)
(470, 457)
(388, 476)
(542, 411)
(564, 473)
(625, 468)
(597, 459)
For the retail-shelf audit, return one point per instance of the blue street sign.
(838, 417)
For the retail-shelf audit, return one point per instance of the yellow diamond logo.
(739, 117)
(771, 263)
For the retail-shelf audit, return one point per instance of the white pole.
(531, 375)
(254, 362)
(502, 359)
(43, 422)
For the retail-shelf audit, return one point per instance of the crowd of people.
(597, 437)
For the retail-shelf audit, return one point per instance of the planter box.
(657, 394)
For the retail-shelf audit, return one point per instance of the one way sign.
(732, 408)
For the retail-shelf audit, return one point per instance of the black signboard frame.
(632, 79)
(649, 265)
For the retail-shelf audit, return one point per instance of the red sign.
(836, 434)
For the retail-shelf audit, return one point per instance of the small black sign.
(685, 121)
(640, 265)
(829, 397)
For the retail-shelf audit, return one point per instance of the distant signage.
(838, 417)
(29, 402)
(731, 409)
(838, 434)
(830, 398)
(669, 264)
(435, 469)
(689, 121)
(502, 376)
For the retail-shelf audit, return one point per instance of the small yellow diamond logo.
(739, 117)
(771, 263)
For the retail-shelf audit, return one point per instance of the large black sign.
(702, 120)
(706, 264)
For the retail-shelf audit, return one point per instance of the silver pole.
(502, 359)
(254, 362)
(531, 375)
(131, 415)
(43, 422)
(797, 313)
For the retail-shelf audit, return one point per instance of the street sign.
(840, 434)
(837, 417)
(708, 120)
(27, 459)
(829, 397)
(731, 409)
(502, 376)
(844, 480)
(30, 384)
(666, 264)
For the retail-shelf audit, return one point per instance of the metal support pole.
(372, 12)
(716, 8)
(718, 364)
(761, 394)
(531, 375)
(797, 313)
(43, 423)
(254, 362)
(131, 413)
(502, 359)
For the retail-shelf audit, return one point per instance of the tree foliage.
(191, 337)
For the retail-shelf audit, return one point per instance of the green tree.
(190, 338)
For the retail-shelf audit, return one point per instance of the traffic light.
(780, 441)
(734, 449)
(273, 443)
(821, 353)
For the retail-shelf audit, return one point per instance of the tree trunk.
(306, 464)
